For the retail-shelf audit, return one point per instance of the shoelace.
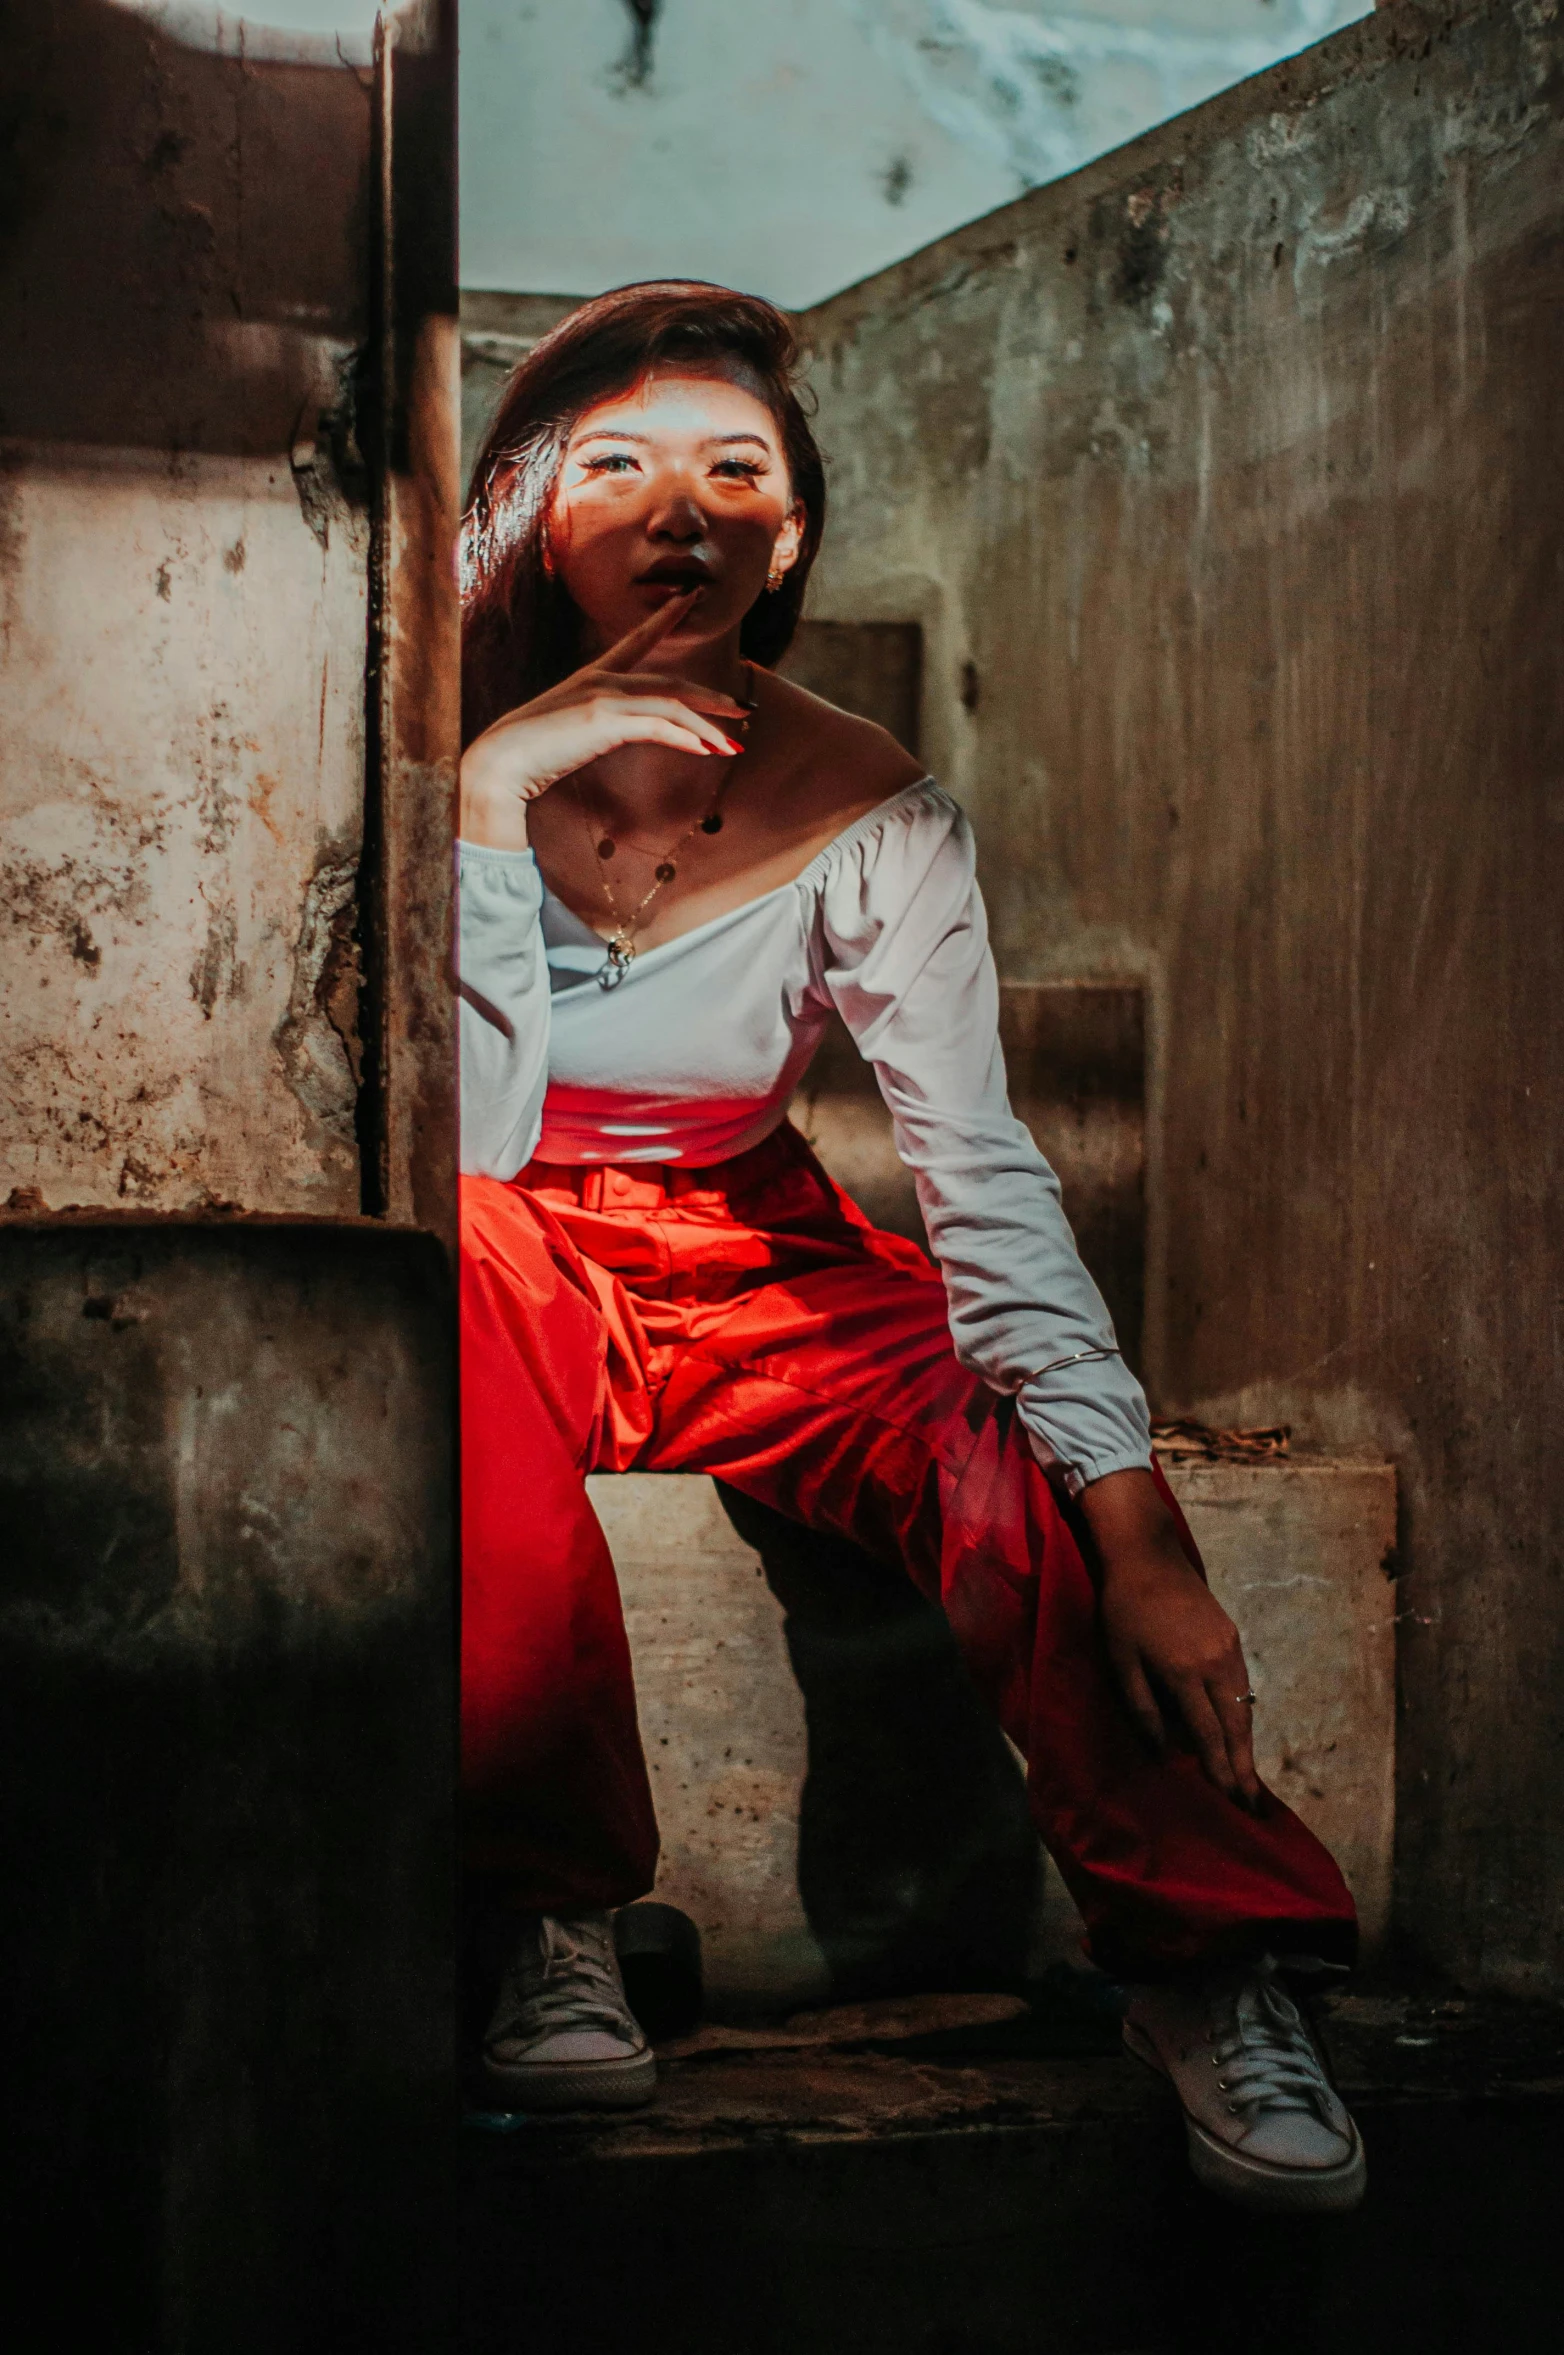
(568, 1979)
(1266, 2059)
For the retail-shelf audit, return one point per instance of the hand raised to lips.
(607, 703)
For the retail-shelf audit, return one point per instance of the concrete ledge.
(1296, 1551)
(227, 1696)
(978, 2201)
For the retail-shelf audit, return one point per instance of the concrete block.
(228, 1836)
(1296, 1551)
(723, 1726)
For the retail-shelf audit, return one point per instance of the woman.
(674, 865)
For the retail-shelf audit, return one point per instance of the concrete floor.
(936, 2180)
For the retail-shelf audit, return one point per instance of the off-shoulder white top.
(694, 1057)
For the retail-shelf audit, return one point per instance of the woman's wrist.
(491, 815)
(1135, 1534)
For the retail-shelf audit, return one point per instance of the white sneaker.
(1266, 2127)
(562, 2036)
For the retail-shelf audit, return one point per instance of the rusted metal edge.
(407, 1111)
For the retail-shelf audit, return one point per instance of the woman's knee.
(502, 1226)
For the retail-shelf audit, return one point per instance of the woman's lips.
(676, 584)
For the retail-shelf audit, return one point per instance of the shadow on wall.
(207, 214)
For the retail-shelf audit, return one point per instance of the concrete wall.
(227, 500)
(227, 748)
(184, 552)
(1231, 468)
(180, 1017)
(226, 1701)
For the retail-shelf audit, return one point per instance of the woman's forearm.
(503, 1007)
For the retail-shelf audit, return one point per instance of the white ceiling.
(793, 146)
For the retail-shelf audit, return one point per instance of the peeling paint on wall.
(179, 1022)
(318, 1043)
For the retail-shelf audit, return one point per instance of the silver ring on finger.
(1247, 1700)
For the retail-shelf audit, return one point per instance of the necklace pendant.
(713, 824)
(612, 972)
(605, 849)
(665, 870)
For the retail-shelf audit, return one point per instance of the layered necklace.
(621, 942)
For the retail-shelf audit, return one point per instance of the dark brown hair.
(520, 630)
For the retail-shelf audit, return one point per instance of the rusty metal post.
(414, 668)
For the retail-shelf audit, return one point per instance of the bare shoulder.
(837, 765)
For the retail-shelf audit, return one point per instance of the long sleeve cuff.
(1086, 1421)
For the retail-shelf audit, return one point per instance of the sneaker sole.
(573, 2085)
(1257, 2183)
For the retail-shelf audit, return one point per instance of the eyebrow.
(615, 433)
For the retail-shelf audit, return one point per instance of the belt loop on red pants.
(641, 1188)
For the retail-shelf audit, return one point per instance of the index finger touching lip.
(648, 633)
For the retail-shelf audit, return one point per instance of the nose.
(677, 521)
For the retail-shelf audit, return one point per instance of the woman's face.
(679, 483)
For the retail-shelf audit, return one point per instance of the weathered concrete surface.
(980, 2194)
(1296, 1551)
(184, 552)
(722, 1723)
(1300, 1553)
(1224, 479)
(226, 1701)
(874, 668)
(837, 1805)
(228, 450)
(179, 1023)
(227, 673)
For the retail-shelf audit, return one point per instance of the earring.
(774, 579)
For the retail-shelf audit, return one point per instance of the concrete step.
(959, 2189)
(836, 1807)
(226, 1698)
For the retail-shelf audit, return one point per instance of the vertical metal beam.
(414, 683)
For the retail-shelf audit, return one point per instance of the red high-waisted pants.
(746, 1320)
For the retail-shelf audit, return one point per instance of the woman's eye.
(740, 469)
(611, 462)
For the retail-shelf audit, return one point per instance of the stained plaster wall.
(184, 569)
(1225, 479)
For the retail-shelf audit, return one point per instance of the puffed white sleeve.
(503, 992)
(905, 958)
